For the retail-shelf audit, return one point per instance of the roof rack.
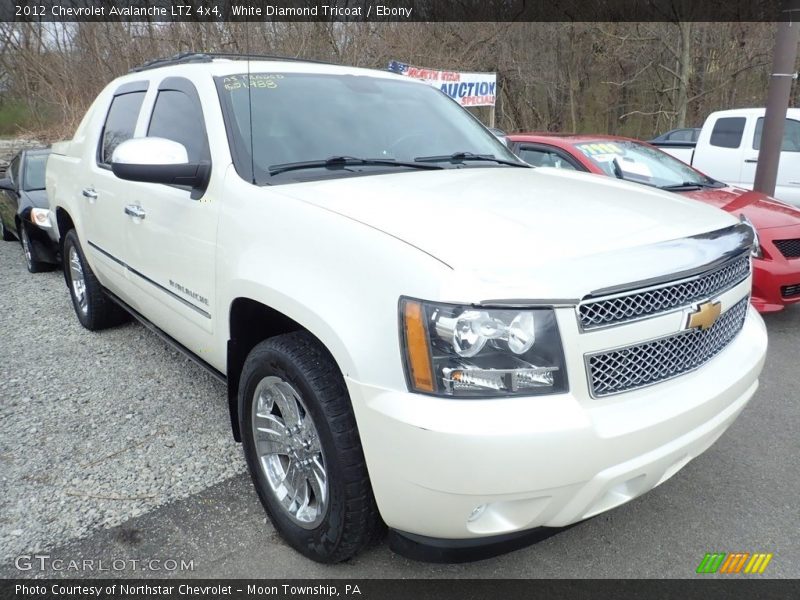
(201, 57)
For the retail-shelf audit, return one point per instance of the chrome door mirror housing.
(150, 150)
(159, 160)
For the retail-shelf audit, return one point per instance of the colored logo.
(735, 562)
(705, 316)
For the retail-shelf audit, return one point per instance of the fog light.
(476, 513)
(499, 379)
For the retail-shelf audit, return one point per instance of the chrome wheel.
(77, 280)
(26, 247)
(289, 452)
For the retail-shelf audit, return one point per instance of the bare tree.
(628, 78)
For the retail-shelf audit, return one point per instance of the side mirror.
(158, 160)
(6, 184)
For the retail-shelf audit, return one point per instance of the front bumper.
(44, 238)
(770, 277)
(773, 273)
(543, 461)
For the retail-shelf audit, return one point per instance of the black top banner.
(400, 10)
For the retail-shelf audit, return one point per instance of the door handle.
(751, 160)
(90, 193)
(137, 212)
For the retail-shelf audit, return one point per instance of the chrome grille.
(789, 248)
(638, 304)
(644, 364)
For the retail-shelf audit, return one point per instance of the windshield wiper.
(465, 156)
(686, 185)
(338, 162)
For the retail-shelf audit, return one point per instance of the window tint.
(680, 135)
(791, 135)
(34, 171)
(298, 117)
(120, 123)
(727, 132)
(13, 170)
(544, 158)
(178, 118)
(642, 163)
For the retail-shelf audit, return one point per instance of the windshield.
(643, 164)
(34, 172)
(310, 118)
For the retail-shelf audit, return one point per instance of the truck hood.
(762, 210)
(567, 232)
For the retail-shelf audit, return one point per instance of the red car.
(776, 262)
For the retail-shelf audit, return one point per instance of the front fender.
(338, 278)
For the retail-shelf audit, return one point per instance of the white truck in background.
(728, 146)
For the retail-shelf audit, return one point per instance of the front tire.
(29, 247)
(303, 450)
(93, 308)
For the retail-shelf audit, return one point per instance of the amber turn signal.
(417, 350)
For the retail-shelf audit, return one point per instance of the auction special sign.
(468, 89)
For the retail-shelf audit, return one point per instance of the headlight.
(755, 251)
(40, 217)
(467, 351)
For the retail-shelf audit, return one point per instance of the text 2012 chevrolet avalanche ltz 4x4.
(416, 329)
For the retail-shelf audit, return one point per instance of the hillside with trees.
(635, 79)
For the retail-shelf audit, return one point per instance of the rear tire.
(93, 308)
(307, 463)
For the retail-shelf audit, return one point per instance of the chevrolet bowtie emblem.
(705, 316)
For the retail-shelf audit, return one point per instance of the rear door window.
(791, 135)
(727, 132)
(120, 124)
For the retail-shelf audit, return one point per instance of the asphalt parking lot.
(114, 446)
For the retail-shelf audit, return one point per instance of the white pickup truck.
(416, 329)
(727, 149)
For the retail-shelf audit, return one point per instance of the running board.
(172, 342)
